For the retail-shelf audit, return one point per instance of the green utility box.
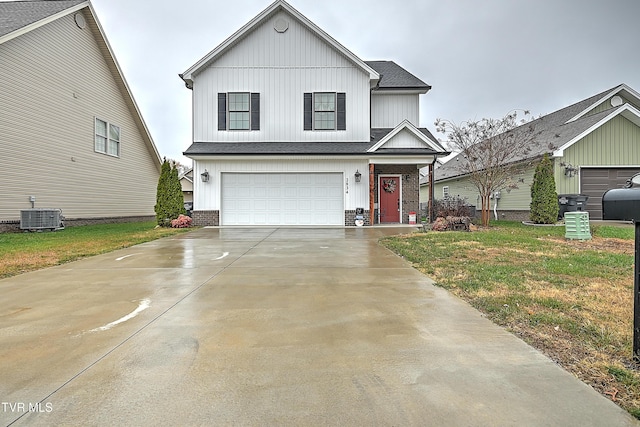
(577, 226)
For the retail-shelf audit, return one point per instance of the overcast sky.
(483, 58)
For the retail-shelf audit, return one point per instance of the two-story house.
(291, 128)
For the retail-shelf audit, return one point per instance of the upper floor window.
(239, 111)
(325, 111)
(107, 138)
(445, 191)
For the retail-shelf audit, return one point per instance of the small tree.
(490, 152)
(544, 199)
(169, 197)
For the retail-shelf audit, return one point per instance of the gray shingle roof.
(396, 77)
(554, 132)
(304, 148)
(18, 14)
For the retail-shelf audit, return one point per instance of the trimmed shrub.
(544, 198)
(169, 197)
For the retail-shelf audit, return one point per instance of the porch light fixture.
(358, 175)
(569, 170)
(205, 176)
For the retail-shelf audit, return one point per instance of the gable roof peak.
(271, 10)
(601, 98)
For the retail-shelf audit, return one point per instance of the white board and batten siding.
(208, 195)
(404, 139)
(388, 110)
(54, 81)
(281, 67)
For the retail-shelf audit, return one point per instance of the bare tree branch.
(490, 152)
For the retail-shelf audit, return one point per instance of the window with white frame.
(325, 111)
(107, 138)
(238, 111)
(445, 192)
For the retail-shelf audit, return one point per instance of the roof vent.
(80, 21)
(281, 25)
(616, 101)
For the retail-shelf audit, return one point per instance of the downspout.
(371, 193)
(496, 197)
(432, 166)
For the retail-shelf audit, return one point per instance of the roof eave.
(44, 21)
(130, 100)
(628, 111)
(621, 88)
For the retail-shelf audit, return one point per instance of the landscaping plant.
(169, 197)
(544, 199)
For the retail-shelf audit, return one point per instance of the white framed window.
(238, 111)
(239, 118)
(107, 138)
(325, 111)
(445, 191)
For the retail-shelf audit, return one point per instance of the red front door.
(389, 199)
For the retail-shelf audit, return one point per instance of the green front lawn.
(22, 252)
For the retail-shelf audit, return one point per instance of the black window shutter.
(308, 111)
(341, 109)
(255, 111)
(222, 111)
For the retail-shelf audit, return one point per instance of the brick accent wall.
(509, 215)
(410, 177)
(206, 218)
(350, 218)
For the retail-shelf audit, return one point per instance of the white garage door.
(282, 199)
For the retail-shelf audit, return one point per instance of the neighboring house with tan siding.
(71, 134)
(594, 145)
(186, 182)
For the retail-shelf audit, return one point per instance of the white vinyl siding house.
(315, 158)
(387, 110)
(71, 133)
(281, 67)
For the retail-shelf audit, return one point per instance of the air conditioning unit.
(41, 219)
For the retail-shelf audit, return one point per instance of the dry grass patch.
(572, 300)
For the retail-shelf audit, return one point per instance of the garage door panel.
(282, 199)
(594, 182)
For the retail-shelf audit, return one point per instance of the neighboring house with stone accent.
(291, 128)
(594, 145)
(71, 134)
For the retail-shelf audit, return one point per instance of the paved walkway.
(268, 327)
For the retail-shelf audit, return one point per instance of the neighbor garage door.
(594, 182)
(282, 199)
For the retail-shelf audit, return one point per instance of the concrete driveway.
(268, 327)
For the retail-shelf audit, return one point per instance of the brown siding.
(595, 181)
